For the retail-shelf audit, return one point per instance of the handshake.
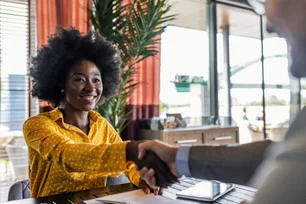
(157, 156)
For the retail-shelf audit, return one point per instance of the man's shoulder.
(297, 128)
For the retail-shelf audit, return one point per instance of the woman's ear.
(61, 88)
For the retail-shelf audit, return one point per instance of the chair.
(3, 154)
(277, 133)
(19, 158)
(19, 190)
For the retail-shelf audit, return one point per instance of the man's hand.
(163, 176)
(164, 151)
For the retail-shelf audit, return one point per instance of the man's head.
(288, 19)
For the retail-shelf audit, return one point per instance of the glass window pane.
(245, 70)
(277, 87)
(14, 28)
(184, 63)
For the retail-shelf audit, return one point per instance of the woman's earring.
(62, 90)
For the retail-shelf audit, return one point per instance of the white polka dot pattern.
(65, 159)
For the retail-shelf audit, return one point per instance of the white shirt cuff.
(182, 160)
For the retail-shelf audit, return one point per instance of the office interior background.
(218, 66)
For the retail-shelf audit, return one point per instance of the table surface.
(237, 195)
(78, 197)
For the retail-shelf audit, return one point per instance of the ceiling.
(193, 14)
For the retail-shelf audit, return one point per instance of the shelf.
(185, 86)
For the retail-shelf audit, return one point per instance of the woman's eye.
(79, 80)
(97, 80)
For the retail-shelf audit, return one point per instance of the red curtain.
(145, 99)
(146, 95)
(53, 13)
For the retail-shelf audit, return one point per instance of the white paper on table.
(135, 197)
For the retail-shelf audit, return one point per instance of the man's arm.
(234, 164)
(227, 163)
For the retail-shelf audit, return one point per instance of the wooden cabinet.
(185, 138)
(222, 136)
(193, 135)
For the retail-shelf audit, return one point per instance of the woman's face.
(84, 87)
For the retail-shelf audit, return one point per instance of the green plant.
(163, 107)
(135, 28)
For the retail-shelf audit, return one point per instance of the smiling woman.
(67, 49)
(83, 90)
(73, 147)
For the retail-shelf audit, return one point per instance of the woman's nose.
(89, 86)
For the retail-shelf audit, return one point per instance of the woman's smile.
(89, 98)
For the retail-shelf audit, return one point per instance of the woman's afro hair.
(66, 48)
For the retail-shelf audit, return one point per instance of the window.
(249, 101)
(184, 63)
(184, 56)
(14, 49)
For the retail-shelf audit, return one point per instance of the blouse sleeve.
(41, 135)
(133, 174)
(131, 171)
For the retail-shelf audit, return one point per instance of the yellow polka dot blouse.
(65, 159)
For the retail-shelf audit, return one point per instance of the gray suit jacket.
(235, 164)
(282, 176)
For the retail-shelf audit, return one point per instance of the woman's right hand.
(148, 176)
(147, 189)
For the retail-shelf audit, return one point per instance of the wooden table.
(78, 197)
(237, 195)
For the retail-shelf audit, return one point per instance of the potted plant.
(135, 28)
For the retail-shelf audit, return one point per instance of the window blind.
(14, 52)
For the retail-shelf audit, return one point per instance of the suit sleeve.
(235, 164)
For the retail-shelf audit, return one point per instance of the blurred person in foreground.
(72, 147)
(281, 177)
